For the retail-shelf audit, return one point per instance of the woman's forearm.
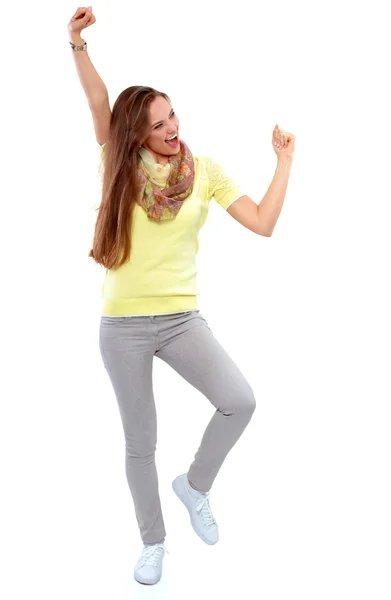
(92, 84)
(270, 206)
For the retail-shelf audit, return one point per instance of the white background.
(302, 501)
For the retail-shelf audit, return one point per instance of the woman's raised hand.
(82, 18)
(283, 142)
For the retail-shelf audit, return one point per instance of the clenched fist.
(82, 19)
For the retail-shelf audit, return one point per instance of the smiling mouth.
(173, 141)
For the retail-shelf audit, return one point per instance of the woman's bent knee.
(250, 404)
(242, 403)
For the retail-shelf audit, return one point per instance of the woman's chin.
(171, 152)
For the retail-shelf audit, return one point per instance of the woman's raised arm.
(93, 86)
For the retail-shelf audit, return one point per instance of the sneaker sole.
(147, 582)
(176, 486)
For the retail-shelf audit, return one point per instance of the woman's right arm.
(93, 86)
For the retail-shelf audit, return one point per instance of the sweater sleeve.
(220, 186)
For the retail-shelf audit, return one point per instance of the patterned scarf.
(163, 204)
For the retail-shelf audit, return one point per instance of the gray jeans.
(185, 341)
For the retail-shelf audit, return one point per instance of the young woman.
(155, 198)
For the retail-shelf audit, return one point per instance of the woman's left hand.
(283, 142)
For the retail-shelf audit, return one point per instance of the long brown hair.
(129, 128)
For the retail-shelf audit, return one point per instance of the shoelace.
(151, 554)
(203, 507)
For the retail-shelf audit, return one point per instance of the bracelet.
(83, 47)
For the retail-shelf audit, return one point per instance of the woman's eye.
(157, 126)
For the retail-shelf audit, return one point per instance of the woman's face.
(164, 124)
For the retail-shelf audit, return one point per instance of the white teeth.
(171, 138)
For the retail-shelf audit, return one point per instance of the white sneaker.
(148, 569)
(197, 503)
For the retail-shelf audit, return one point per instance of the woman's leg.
(127, 347)
(199, 358)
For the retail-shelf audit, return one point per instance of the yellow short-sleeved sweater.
(160, 276)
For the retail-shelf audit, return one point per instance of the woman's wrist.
(76, 39)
